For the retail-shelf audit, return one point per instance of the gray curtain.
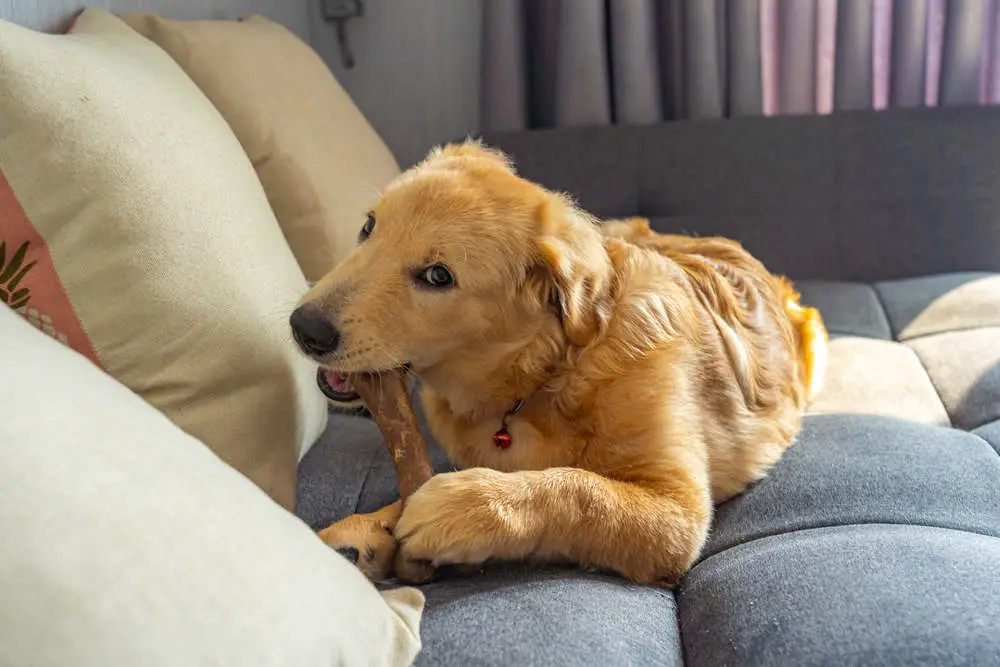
(566, 63)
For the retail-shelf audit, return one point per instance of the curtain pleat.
(993, 57)
(541, 18)
(986, 54)
(582, 93)
(853, 79)
(961, 53)
(593, 62)
(797, 52)
(826, 54)
(634, 63)
(746, 97)
(881, 52)
(909, 41)
(504, 72)
(933, 50)
(703, 67)
(770, 52)
(670, 22)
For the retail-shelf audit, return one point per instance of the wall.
(57, 14)
(417, 70)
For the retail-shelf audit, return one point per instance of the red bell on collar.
(501, 439)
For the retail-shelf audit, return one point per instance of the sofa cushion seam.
(757, 538)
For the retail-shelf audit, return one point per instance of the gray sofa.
(876, 539)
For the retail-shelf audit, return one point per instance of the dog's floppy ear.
(577, 268)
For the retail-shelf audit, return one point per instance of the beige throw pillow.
(321, 163)
(133, 228)
(127, 543)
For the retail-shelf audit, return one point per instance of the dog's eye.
(368, 228)
(437, 275)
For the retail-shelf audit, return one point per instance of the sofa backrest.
(851, 196)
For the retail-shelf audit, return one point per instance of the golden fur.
(660, 374)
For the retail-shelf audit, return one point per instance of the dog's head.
(459, 260)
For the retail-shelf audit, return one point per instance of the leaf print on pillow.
(11, 275)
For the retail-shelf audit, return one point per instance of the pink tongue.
(339, 383)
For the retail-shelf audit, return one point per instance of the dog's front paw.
(366, 540)
(462, 517)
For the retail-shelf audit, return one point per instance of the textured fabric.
(874, 471)
(991, 434)
(320, 162)
(848, 308)
(857, 595)
(349, 470)
(127, 542)
(636, 62)
(947, 369)
(532, 616)
(965, 369)
(121, 175)
(878, 377)
(861, 196)
(935, 304)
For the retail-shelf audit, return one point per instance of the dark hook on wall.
(339, 12)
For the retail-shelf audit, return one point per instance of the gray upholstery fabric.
(852, 309)
(875, 539)
(878, 377)
(965, 368)
(947, 370)
(874, 471)
(518, 616)
(991, 434)
(855, 595)
(857, 196)
(349, 470)
(935, 304)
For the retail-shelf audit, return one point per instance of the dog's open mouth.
(336, 386)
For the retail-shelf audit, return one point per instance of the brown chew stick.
(388, 398)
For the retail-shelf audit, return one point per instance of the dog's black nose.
(313, 332)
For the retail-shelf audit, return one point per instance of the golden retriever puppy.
(599, 386)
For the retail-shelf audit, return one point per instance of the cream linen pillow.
(321, 163)
(127, 543)
(134, 229)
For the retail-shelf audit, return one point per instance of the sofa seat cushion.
(508, 614)
(875, 594)
(924, 349)
(861, 469)
(873, 540)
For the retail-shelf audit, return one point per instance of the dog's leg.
(366, 540)
(648, 531)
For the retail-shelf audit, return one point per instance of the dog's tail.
(812, 337)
